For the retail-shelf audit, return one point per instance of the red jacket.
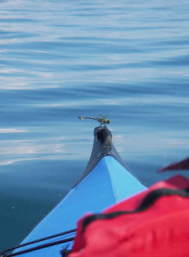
(160, 230)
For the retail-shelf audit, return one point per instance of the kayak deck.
(105, 182)
(108, 183)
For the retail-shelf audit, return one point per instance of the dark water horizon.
(127, 60)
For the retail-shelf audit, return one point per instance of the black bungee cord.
(11, 251)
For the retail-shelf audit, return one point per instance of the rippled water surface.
(128, 60)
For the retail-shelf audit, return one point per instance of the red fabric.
(161, 230)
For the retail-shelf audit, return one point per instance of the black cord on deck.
(38, 247)
(6, 253)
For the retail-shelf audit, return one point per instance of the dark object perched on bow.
(102, 120)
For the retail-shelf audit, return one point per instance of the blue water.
(128, 60)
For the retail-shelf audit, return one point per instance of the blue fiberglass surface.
(108, 183)
(124, 184)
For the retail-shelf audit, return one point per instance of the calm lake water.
(128, 60)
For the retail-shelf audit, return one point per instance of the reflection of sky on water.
(142, 145)
(38, 149)
(49, 45)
